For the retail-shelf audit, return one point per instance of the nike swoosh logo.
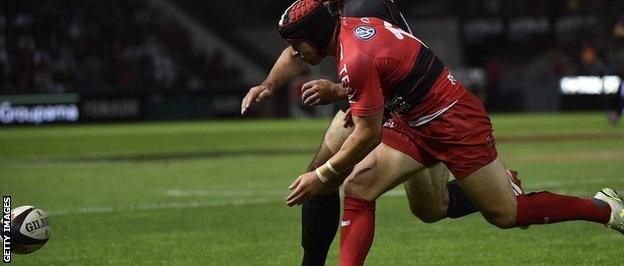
(345, 223)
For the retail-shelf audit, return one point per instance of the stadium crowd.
(100, 47)
(126, 46)
(579, 41)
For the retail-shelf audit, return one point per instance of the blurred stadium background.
(121, 118)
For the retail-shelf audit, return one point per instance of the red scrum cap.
(312, 21)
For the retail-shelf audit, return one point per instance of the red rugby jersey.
(383, 66)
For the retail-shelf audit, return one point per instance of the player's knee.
(358, 190)
(352, 189)
(503, 219)
(428, 214)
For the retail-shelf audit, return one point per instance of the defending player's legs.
(334, 136)
(320, 215)
(427, 193)
(319, 218)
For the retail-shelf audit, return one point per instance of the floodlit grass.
(212, 193)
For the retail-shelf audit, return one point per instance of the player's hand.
(306, 186)
(319, 92)
(255, 94)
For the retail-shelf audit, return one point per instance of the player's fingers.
(295, 184)
(297, 199)
(245, 106)
(249, 98)
(306, 94)
(293, 195)
(311, 100)
(317, 102)
(263, 94)
(308, 85)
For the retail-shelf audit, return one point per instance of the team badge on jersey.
(365, 33)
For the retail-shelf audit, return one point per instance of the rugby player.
(433, 119)
(430, 197)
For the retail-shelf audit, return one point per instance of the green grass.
(212, 193)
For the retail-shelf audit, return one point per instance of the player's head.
(308, 25)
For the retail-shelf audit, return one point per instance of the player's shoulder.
(363, 32)
(367, 36)
(383, 9)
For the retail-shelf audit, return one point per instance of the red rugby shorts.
(461, 138)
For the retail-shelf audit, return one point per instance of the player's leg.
(489, 190)
(472, 158)
(383, 169)
(428, 194)
(487, 185)
(320, 215)
(432, 197)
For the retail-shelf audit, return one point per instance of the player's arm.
(365, 137)
(367, 107)
(287, 66)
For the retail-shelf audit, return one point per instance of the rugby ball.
(30, 229)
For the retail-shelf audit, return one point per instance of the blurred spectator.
(100, 47)
(617, 54)
(617, 103)
(493, 71)
(591, 64)
(618, 29)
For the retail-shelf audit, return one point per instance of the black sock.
(459, 205)
(319, 223)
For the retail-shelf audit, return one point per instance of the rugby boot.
(616, 221)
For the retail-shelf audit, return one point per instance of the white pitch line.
(159, 206)
(249, 193)
(272, 198)
(586, 181)
(224, 193)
